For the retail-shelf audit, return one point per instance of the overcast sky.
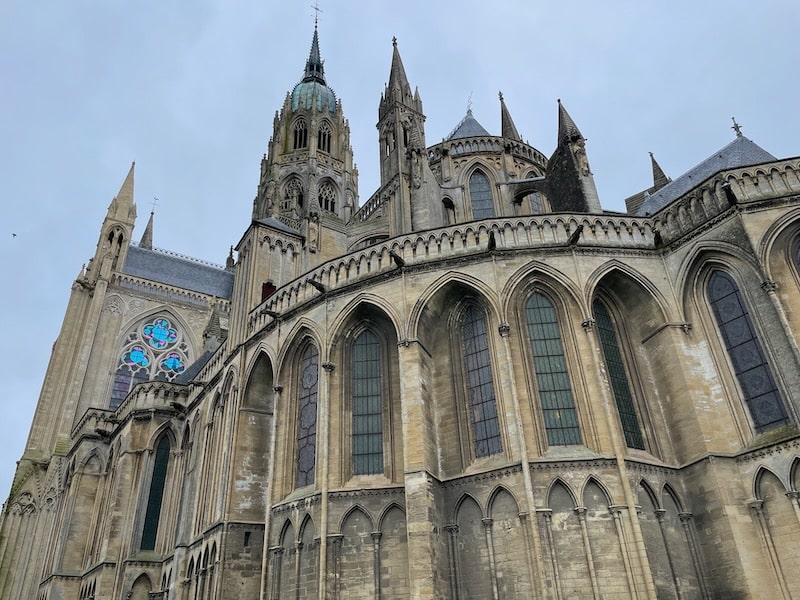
(189, 89)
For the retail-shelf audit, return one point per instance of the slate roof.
(278, 225)
(741, 152)
(194, 369)
(179, 271)
(468, 127)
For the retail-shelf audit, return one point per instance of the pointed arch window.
(156, 496)
(308, 389)
(745, 352)
(617, 375)
(481, 400)
(327, 197)
(153, 350)
(324, 137)
(300, 135)
(552, 378)
(480, 195)
(293, 197)
(367, 390)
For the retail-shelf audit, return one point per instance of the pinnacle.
(397, 74)
(147, 237)
(567, 130)
(507, 127)
(660, 179)
(315, 70)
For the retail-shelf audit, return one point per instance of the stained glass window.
(480, 383)
(307, 416)
(367, 405)
(480, 194)
(156, 495)
(617, 376)
(552, 378)
(153, 350)
(744, 350)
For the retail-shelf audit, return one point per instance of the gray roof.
(278, 225)
(468, 127)
(741, 152)
(194, 369)
(179, 271)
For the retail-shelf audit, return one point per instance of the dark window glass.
(324, 137)
(480, 194)
(537, 206)
(307, 416)
(300, 135)
(552, 379)
(618, 376)
(154, 499)
(749, 364)
(480, 385)
(367, 405)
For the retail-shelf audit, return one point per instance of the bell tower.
(308, 177)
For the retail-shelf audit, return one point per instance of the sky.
(188, 90)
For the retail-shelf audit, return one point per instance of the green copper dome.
(312, 88)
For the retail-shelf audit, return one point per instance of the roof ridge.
(178, 255)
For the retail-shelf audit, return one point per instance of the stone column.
(616, 512)
(547, 514)
(487, 530)
(686, 521)
(580, 511)
(757, 512)
(452, 562)
(376, 561)
(660, 513)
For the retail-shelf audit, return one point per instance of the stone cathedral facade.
(475, 383)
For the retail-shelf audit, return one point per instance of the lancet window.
(327, 197)
(156, 495)
(480, 194)
(481, 402)
(300, 135)
(307, 396)
(744, 350)
(618, 376)
(324, 137)
(552, 378)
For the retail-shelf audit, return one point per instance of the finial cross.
(736, 127)
(469, 103)
(317, 10)
(154, 203)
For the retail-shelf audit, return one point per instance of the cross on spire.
(736, 127)
(153, 205)
(317, 10)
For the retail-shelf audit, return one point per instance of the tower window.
(480, 194)
(307, 416)
(327, 197)
(617, 376)
(744, 350)
(367, 405)
(293, 199)
(552, 378)
(324, 137)
(480, 383)
(300, 135)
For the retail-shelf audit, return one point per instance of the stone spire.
(507, 128)
(315, 70)
(397, 73)
(567, 130)
(122, 207)
(147, 237)
(660, 179)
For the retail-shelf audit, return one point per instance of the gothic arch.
(450, 283)
(386, 510)
(554, 485)
(364, 302)
(614, 276)
(258, 390)
(667, 491)
(645, 487)
(591, 479)
(761, 472)
(536, 273)
(365, 392)
(496, 492)
(303, 329)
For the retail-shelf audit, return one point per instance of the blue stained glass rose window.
(173, 363)
(160, 334)
(136, 356)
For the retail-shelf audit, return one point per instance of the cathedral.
(474, 383)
